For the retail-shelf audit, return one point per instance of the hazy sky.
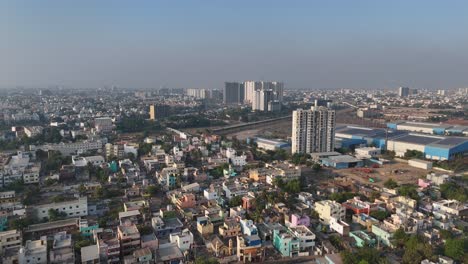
(306, 44)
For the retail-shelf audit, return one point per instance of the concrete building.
(90, 255)
(403, 91)
(152, 113)
(367, 152)
(287, 244)
(129, 238)
(313, 130)
(62, 249)
(272, 144)
(275, 93)
(342, 162)
(33, 252)
(10, 239)
(204, 226)
(230, 228)
(197, 93)
(183, 239)
(73, 208)
(327, 209)
(250, 249)
(233, 93)
(103, 124)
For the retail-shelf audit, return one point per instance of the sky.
(313, 44)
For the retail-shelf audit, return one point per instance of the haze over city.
(233, 132)
(307, 44)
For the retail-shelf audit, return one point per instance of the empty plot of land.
(400, 172)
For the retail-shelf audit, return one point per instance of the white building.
(211, 193)
(183, 239)
(10, 239)
(339, 226)
(84, 161)
(251, 87)
(313, 130)
(305, 236)
(327, 209)
(33, 252)
(197, 93)
(248, 227)
(62, 249)
(367, 152)
(73, 208)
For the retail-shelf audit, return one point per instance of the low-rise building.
(286, 243)
(183, 239)
(73, 208)
(230, 228)
(62, 249)
(327, 209)
(250, 249)
(34, 251)
(10, 239)
(129, 238)
(90, 255)
(204, 226)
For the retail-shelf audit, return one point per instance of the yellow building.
(152, 113)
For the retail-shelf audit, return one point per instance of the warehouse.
(342, 162)
(433, 147)
(427, 128)
(271, 144)
(355, 136)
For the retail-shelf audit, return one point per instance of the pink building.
(423, 183)
(186, 201)
(297, 220)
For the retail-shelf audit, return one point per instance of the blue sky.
(307, 44)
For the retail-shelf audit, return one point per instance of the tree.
(390, 184)
(416, 250)
(54, 215)
(316, 167)
(374, 195)
(456, 248)
(380, 214)
(362, 255)
(400, 237)
(204, 260)
(152, 190)
(414, 154)
(408, 190)
(451, 190)
(235, 201)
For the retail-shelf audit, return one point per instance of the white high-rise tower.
(313, 130)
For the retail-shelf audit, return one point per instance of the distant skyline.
(201, 44)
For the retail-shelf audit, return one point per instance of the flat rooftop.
(418, 139)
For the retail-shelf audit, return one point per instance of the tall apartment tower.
(152, 112)
(313, 130)
(233, 93)
(259, 93)
(403, 91)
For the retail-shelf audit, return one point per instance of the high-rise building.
(197, 93)
(152, 112)
(259, 94)
(250, 88)
(313, 130)
(403, 91)
(233, 93)
(261, 100)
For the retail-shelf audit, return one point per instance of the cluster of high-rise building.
(261, 95)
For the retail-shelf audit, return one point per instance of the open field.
(400, 172)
